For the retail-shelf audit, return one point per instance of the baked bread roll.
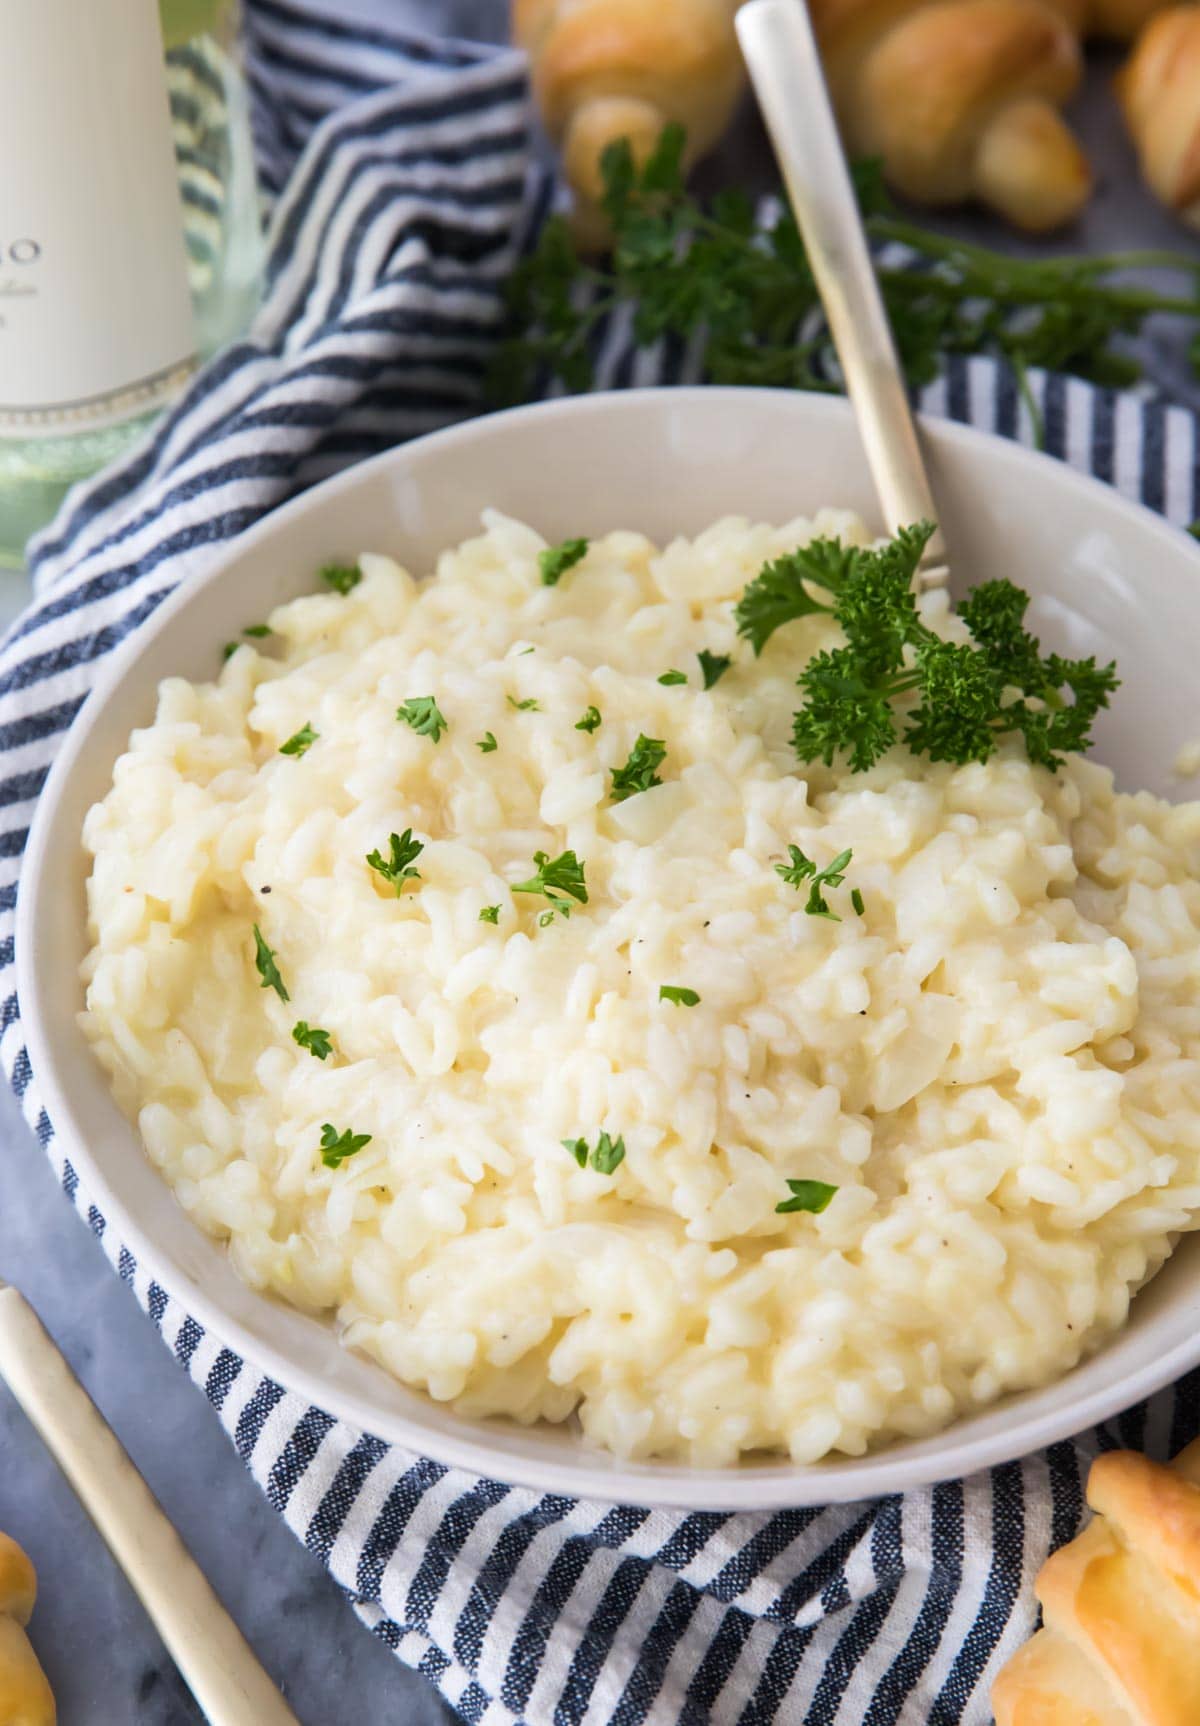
(25, 1696)
(1159, 90)
(1121, 1607)
(960, 99)
(609, 69)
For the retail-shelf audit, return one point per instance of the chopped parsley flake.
(229, 649)
(490, 914)
(802, 869)
(424, 715)
(258, 630)
(713, 666)
(343, 578)
(607, 1156)
(639, 772)
(556, 560)
(856, 899)
(486, 744)
(300, 742)
(312, 1038)
(681, 997)
(404, 850)
(556, 876)
(268, 970)
(590, 721)
(336, 1147)
(529, 705)
(672, 677)
(811, 1196)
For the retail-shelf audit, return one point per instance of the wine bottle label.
(95, 313)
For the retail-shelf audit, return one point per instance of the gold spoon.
(214, 1658)
(785, 69)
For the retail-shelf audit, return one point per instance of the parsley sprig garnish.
(268, 970)
(312, 1038)
(424, 715)
(403, 851)
(965, 690)
(556, 877)
(300, 742)
(802, 869)
(336, 1147)
(811, 1196)
(640, 770)
(710, 273)
(608, 1154)
(556, 560)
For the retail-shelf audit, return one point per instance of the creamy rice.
(997, 1064)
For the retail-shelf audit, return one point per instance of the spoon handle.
(785, 69)
(206, 1645)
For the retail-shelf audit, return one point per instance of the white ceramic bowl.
(1109, 578)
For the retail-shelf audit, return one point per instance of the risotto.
(556, 1090)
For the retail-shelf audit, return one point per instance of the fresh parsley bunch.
(711, 273)
(968, 694)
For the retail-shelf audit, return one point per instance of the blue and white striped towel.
(401, 171)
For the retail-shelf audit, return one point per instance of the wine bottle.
(130, 232)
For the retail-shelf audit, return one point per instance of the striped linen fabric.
(403, 193)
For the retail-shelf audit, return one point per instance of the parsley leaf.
(556, 876)
(681, 997)
(556, 560)
(336, 1147)
(257, 630)
(300, 742)
(268, 970)
(640, 770)
(343, 578)
(529, 705)
(802, 868)
(590, 722)
(312, 1038)
(404, 850)
(670, 678)
(608, 1155)
(486, 744)
(811, 1196)
(490, 914)
(424, 715)
(856, 899)
(229, 649)
(713, 666)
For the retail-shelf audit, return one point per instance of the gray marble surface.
(103, 1656)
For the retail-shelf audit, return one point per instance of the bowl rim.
(592, 1474)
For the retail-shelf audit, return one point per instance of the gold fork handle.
(785, 69)
(204, 1642)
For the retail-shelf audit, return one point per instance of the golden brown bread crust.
(25, 1696)
(1159, 91)
(960, 98)
(1121, 1605)
(18, 1582)
(607, 69)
